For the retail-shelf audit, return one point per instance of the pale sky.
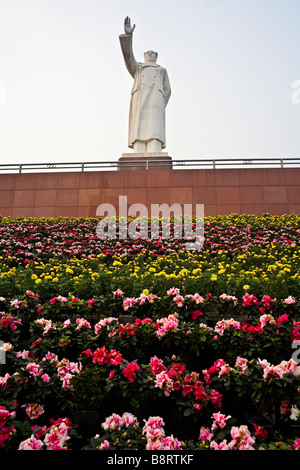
(65, 91)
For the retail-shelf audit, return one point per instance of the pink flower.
(115, 357)
(171, 443)
(57, 437)
(205, 434)
(296, 444)
(285, 409)
(3, 382)
(198, 299)
(242, 438)
(169, 323)
(153, 429)
(34, 410)
(118, 293)
(40, 433)
(222, 446)
(91, 302)
(219, 420)
(66, 381)
(156, 366)
(154, 444)
(82, 323)
(289, 300)
(104, 445)
(51, 357)
(5, 415)
(154, 422)
(113, 422)
(242, 364)
(173, 291)
(23, 354)
(34, 369)
(223, 325)
(163, 381)
(265, 319)
(129, 302)
(216, 398)
(31, 444)
(129, 419)
(105, 322)
(267, 301)
(101, 356)
(179, 300)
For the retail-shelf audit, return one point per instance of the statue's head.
(150, 56)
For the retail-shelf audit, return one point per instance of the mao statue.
(149, 97)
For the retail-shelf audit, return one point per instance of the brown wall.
(77, 194)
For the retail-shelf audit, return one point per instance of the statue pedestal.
(145, 161)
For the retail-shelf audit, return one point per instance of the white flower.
(295, 413)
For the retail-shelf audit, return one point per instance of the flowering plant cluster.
(202, 345)
(27, 240)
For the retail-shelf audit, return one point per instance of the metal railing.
(148, 164)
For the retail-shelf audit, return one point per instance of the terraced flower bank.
(141, 344)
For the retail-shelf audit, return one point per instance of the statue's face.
(150, 56)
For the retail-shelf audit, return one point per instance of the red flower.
(129, 371)
(196, 314)
(186, 389)
(260, 431)
(282, 319)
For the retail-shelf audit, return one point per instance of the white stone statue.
(149, 97)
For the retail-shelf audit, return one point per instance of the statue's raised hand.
(127, 26)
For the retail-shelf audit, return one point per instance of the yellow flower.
(246, 287)
(145, 292)
(38, 281)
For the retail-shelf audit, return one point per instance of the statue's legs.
(154, 145)
(140, 147)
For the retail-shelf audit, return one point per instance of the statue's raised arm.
(126, 46)
(127, 26)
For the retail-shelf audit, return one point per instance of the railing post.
(20, 168)
(147, 165)
(214, 164)
(82, 167)
(281, 163)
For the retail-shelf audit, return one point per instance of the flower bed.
(143, 345)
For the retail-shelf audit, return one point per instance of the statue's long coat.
(149, 96)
